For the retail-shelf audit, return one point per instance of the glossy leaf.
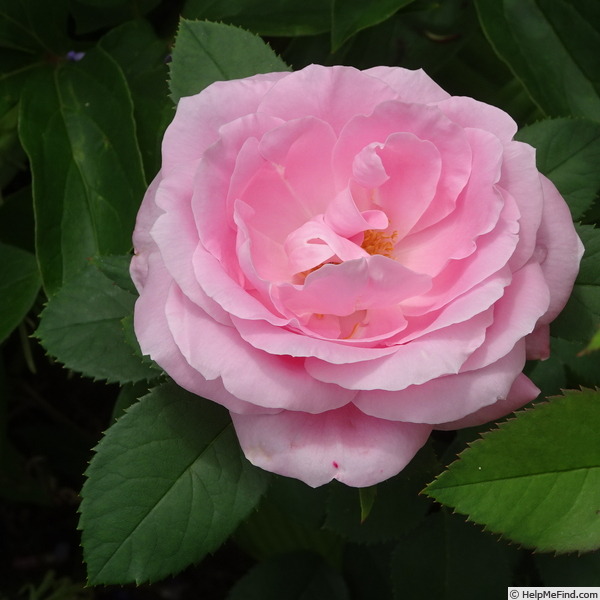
(448, 559)
(295, 576)
(267, 18)
(535, 479)
(290, 518)
(19, 286)
(581, 316)
(396, 509)
(82, 327)
(207, 52)
(77, 127)
(95, 15)
(142, 58)
(351, 16)
(167, 485)
(553, 47)
(568, 152)
(34, 26)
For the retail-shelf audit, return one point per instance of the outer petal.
(247, 373)
(342, 444)
(156, 340)
(333, 94)
(411, 86)
(558, 248)
(143, 244)
(447, 398)
(522, 391)
(198, 118)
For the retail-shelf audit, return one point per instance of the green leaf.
(167, 485)
(581, 316)
(351, 16)
(81, 326)
(289, 518)
(535, 479)
(19, 286)
(303, 576)
(279, 18)
(367, 498)
(588, 270)
(593, 345)
(397, 508)
(141, 55)
(208, 52)
(568, 153)
(97, 14)
(448, 559)
(77, 128)
(34, 26)
(553, 46)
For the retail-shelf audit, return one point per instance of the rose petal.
(434, 355)
(198, 118)
(411, 86)
(522, 391)
(332, 94)
(342, 444)
(559, 249)
(446, 398)
(143, 244)
(156, 340)
(269, 381)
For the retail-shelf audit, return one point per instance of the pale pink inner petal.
(493, 252)
(342, 444)
(478, 209)
(314, 243)
(226, 164)
(301, 151)
(425, 123)
(413, 167)
(439, 353)
(343, 216)
(285, 341)
(373, 282)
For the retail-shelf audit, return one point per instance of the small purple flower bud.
(74, 56)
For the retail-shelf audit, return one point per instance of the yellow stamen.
(379, 242)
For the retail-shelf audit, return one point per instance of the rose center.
(379, 242)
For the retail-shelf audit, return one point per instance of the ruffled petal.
(266, 380)
(155, 339)
(342, 444)
(434, 355)
(447, 398)
(558, 249)
(522, 391)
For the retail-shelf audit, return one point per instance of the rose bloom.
(347, 260)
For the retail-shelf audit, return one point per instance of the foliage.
(84, 101)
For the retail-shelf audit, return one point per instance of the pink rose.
(347, 260)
